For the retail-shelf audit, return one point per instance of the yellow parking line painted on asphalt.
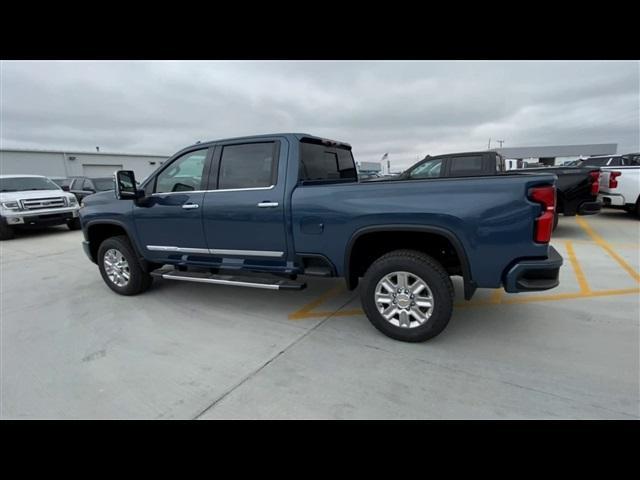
(567, 296)
(629, 245)
(600, 241)
(577, 269)
(485, 303)
(496, 296)
(304, 312)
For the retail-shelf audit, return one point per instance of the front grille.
(41, 203)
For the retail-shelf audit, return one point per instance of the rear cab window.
(325, 161)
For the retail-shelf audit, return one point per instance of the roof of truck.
(297, 135)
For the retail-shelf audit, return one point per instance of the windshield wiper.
(8, 190)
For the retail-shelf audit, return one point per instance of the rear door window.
(251, 165)
(466, 165)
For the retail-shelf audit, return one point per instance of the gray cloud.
(408, 109)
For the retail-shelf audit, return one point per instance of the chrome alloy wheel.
(404, 299)
(116, 267)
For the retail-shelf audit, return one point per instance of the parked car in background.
(577, 188)
(258, 211)
(84, 186)
(34, 201)
(63, 182)
(620, 188)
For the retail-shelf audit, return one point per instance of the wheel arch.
(100, 230)
(352, 278)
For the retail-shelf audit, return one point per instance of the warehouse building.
(557, 154)
(52, 163)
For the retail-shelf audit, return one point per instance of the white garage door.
(99, 170)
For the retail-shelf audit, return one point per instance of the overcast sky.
(407, 109)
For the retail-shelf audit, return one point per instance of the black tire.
(6, 232)
(431, 272)
(139, 281)
(555, 220)
(74, 224)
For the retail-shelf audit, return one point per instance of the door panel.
(244, 218)
(169, 221)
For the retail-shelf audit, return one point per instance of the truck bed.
(491, 216)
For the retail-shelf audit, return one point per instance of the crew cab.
(620, 188)
(259, 211)
(577, 188)
(34, 201)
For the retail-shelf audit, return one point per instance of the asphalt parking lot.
(71, 348)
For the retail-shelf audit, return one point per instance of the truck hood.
(29, 194)
(100, 197)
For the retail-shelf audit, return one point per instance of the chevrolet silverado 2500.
(259, 211)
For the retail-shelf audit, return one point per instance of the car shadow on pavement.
(616, 214)
(40, 231)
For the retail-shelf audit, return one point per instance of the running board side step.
(270, 283)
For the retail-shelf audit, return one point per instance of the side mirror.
(65, 188)
(126, 186)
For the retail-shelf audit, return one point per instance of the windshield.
(103, 184)
(20, 184)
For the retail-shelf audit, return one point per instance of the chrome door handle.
(190, 206)
(267, 204)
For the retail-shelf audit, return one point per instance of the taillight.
(613, 183)
(546, 196)
(595, 182)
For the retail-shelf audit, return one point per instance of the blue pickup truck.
(260, 211)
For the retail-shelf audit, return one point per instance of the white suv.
(34, 200)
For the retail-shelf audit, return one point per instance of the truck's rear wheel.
(407, 295)
(120, 268)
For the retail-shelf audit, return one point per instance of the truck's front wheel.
(120, 268)
(407, 295)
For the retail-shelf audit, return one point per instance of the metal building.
(369, 167)
(52, 163)
(557, 154)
